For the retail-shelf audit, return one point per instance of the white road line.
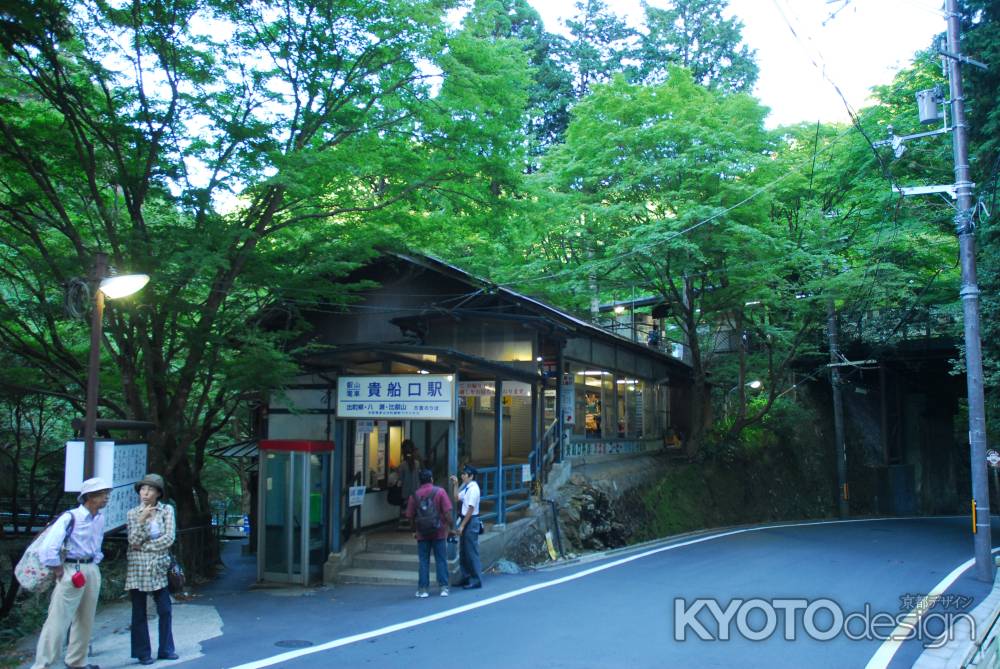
(389, 629)
(904, 630)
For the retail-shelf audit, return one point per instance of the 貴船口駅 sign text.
(403, 396)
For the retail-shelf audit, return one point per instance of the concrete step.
(405, 545)
(397, 561)
(360, 576)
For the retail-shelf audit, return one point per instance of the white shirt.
(84, 541)
(468, 495)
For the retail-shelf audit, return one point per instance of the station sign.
(402, 396)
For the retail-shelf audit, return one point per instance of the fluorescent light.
(123, 285)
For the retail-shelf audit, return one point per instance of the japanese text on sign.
(488, 389)
(402, 396)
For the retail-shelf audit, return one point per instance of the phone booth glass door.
(294, 496)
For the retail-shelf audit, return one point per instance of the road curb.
(970, 648)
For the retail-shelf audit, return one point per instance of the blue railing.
(514, 486)
(516, 489)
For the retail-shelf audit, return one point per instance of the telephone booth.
(294, 517)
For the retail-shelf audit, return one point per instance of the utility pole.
(970, 303)
(961, 190)
(838, 411)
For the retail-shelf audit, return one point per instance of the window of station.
(478, 420)
(594, 399)
(631, 395)
(656, 411)
(376, 453)
(612, 405)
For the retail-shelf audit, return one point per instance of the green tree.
(598, 46)
(235, 151)
(551, 91)
(981, 40)
(644, 190)
(694, 34)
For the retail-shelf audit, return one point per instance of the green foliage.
(551, 91)
(598, 45)
(777, 471)
(981, 40)
(244, 155)
(694, 34)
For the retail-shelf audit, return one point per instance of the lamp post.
(112, 286)
(753, 385)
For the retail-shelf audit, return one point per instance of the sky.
(856, 43)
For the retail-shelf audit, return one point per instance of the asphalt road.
(622, 610)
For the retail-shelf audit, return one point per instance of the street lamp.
(753, 385)
(113, 286)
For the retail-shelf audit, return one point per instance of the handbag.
(175, 576)
(395, 496)
(31, 573)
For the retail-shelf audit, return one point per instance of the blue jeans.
(468, 557)
(424, 547)
(140, 629)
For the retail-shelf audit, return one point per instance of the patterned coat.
(148, 564)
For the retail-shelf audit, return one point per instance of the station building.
(469, 372)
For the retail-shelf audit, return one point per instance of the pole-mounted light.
(112, 286)
(123, 285)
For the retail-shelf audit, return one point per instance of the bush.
(776, 470)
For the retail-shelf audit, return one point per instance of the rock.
(507, 567)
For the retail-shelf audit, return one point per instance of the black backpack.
(427, 520)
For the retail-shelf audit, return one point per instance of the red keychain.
(78, 579)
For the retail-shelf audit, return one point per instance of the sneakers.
(444, 591)
(422, 593)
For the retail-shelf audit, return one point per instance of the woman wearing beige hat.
(151, 532)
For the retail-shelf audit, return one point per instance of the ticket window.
(294, 510)
(377, 454)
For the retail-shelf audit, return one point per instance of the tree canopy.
(235, 152)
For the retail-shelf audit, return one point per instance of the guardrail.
(514, 486)
(196, 549)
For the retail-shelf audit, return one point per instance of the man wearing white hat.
(78, 578)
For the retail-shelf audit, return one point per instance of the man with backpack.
(72, 549)
(430, 511)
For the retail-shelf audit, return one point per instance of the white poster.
(360, 449)
(403, 396)
(115, 513)
(119, 464)
(116, 463)
(568, 400)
